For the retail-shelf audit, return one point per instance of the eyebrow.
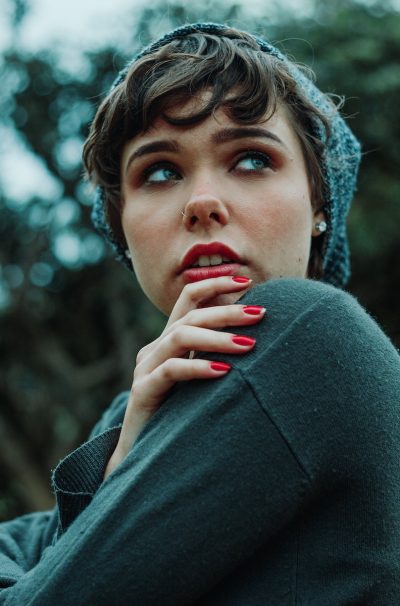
(152, 148)
(241, 132)
(223, 136)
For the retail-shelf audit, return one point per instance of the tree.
(69, 314)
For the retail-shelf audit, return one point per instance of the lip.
(195, 274)
(213, 248)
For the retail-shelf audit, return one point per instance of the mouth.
(212, 260)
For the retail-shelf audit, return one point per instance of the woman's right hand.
(191, 327)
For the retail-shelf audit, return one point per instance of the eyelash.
(251, 154)
(153, 169)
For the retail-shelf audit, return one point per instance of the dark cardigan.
(278, 484)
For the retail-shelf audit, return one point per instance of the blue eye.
(253, 162)
(161, 173)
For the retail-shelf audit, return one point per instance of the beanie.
(339, 164)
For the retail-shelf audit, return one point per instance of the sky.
(68, 27)
(90, 23)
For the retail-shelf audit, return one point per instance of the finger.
(193, 295)
(183, 339)
(150, 392)
(222, 316)
(210, 317)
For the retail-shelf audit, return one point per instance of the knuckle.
(190, 317)
(138, 385)
(137, 374)
(192, 292)
(167, 369)
(177, 336)
(141, 354)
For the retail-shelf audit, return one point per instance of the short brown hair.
(245, 81)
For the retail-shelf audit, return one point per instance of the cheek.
(138, 230)
(148, 240)
(285, 220)
(139, 235)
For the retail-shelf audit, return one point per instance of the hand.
(162, 363)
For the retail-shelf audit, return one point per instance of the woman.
(257, 465)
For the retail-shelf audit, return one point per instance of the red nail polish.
(220, 366)
(241, 279)
(244, 341)
(253, 310)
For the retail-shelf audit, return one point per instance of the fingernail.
(253, 310)
(241, 279)
(220, 366)
(244, 341)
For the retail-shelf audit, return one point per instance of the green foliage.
(355, 52)
(71, 320)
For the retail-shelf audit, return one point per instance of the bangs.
(243, 80)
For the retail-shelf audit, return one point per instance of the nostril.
(214, 216)
(193, 220)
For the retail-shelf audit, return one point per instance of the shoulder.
(320, 318)
(293, 297)
(318, 350)
(326, 374)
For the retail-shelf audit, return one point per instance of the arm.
(24, 539)
(193, 499)
(214, 476)
(22, 542)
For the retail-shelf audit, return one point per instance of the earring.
(128, 254)
(321, 226)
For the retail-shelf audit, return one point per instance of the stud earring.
(321, 226)
(128, 254)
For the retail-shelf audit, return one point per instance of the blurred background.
(71, 319)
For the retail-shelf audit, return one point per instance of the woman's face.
(243, 189)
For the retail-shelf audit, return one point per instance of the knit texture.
(276, 484)
(339, 166)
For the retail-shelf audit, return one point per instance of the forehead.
(164, 126)
(207, 136)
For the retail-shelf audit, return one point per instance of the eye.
(160, 173)
(253, 161)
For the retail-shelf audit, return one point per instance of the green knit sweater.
(276, 485)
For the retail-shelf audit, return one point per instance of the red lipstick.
(194, 274)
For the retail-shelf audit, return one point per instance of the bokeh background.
(71, 319)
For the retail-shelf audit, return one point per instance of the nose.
(204, 210)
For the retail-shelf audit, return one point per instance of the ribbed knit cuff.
(77, 477)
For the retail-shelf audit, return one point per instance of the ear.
(318, 219)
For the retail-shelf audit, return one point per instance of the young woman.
(255, 458)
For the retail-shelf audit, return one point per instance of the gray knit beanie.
(339, 164)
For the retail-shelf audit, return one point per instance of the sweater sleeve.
(24, 539)
(22, 542)
(223, 466)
